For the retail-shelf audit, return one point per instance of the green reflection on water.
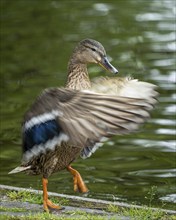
(36, 42)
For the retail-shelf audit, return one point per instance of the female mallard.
(63, 124)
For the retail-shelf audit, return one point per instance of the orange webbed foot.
(47, 204)
(78, 182)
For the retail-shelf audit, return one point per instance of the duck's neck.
(78, 77)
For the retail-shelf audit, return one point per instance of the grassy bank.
(24, 204)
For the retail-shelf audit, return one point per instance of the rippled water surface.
(37, 38)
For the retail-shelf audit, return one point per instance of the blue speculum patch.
(40, 134)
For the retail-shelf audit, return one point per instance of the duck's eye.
(93, 49)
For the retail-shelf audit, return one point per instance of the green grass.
(114, 211)
(48, 216)
(151, 194)
(26, 196)
(144, 213)
(5, 209)
(38, 216)
(113, 208)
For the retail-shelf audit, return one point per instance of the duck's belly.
(53, 161)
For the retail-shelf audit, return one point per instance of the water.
(37, 38)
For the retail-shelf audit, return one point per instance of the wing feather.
(88, 119)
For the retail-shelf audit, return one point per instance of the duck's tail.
(19, 169)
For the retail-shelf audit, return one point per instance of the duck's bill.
(106, 64)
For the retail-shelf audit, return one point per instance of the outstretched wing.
(125, 87)
(82, 119)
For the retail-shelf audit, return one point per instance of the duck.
(73, 121)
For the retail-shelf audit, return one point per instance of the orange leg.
(77, 180)
(46, 202)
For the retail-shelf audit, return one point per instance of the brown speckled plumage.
(56, 160)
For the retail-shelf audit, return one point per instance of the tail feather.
(19, 169)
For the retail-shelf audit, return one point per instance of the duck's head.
(91, 51)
